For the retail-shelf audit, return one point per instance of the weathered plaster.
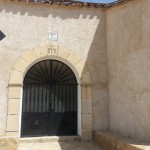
(128, 37)
(82, 34)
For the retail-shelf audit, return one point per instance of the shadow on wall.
(96, 62)
(47, 10)
(98, 68)
(97, 65)
(2, 35)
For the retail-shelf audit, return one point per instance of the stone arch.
(30, 57)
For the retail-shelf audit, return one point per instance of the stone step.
(50, 139)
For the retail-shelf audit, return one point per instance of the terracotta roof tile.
(76, 3)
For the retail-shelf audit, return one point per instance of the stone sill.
(50, 139)
(109, 141)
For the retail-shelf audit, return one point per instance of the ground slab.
(47, 143)
(8, 143)
(109, 141)
(77, 145)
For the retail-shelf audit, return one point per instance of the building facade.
(105, 50)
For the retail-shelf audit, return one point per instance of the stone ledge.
(8, 143)
(50, 139)
(109, 141)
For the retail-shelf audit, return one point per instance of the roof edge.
(75, 3)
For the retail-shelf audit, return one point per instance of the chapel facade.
(73, 68)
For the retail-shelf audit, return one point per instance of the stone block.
(74, 58)
(86, 78)
(12, 134)
(14, 106)
(41, 51)
(21, 65)
(86, 92)
(14, 92)
(12, 123)
(16, 77)
(80, 67)
(86, 135)
(63, 52)
(29, 56)
(86, 121)
(86, 106)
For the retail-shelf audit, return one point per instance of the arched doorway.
(49, 105)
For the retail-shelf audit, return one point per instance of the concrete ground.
(75, 145)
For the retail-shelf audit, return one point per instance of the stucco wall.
(128, 45)
(80, 29)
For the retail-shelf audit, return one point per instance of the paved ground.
(59, 146)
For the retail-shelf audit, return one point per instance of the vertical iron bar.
(50, 107)
(34, 98)
(69, 98)
(46, 104)
(66, 99)
(42, 98)
(30, 97)
(62, 101)
(24, 98)
(27, 99)
(54, 97)
(51, 97)
(38, 98)
(76, 97)
(73, 98)
(49, 101)
(58, 99)
(43, 104)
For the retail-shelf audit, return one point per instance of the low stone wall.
(109, 141)
(8, 143)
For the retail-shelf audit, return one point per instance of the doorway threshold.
(45, 139)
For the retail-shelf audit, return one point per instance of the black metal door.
(49, 100)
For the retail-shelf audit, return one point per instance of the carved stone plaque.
(52, 49)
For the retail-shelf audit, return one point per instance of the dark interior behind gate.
(49, 104)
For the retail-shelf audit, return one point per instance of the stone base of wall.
(109, 141)
(8, 143)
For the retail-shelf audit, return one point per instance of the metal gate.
(49, 104)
